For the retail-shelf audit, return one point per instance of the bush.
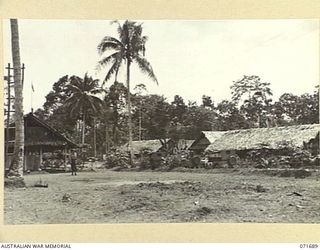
(117, 159)
(175, 161)
(300, 158)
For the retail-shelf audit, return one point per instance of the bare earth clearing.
(124, 197)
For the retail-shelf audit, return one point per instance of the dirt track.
(112, 197)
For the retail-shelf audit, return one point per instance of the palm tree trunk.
(16, 166)
(129, 112)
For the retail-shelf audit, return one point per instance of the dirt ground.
(135, 197)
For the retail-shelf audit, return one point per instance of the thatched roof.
(138, 146)
(205, 139)
(212, 136)
(271, 138)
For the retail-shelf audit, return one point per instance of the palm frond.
(73, 88)
(94, 84)
(105, 61)
(114, 68)
(75, 107)
(109, 43)
(145, 67)
(98, 91)
(76, 81)
(94, 103)
(119, 27)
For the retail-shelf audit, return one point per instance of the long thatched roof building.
(268, 138)
(139, 146)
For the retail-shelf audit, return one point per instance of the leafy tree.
(140, 90)
(293, 110)
(178, 110)
(207, 102)
(57, 96)
(155, 115)
(54, 112)
(256, 99)
(115, 102)
(249, 86)
(197, 119)
(229, 117)
(129, 48)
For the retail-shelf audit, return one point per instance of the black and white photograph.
(161, 121)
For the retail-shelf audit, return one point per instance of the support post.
(40, 156)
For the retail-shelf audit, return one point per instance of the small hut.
(40, 138)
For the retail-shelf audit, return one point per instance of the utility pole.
(140, 121)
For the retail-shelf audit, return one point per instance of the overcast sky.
(189, 58)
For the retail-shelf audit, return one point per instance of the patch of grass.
(14, 182)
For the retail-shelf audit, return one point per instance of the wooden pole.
(94, 138)
(8, 117)
(40, 155)
(107, 139)
(65, 158)
(83, 128)
(140, 122)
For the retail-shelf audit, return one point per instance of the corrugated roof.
(273, 138)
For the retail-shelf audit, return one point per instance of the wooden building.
(40, 138)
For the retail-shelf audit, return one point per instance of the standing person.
(74, 163)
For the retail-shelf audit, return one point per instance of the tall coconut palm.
(128, 49)
(83, 99)
(16, 166)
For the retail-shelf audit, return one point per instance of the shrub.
(117, 159)
(174, 161)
